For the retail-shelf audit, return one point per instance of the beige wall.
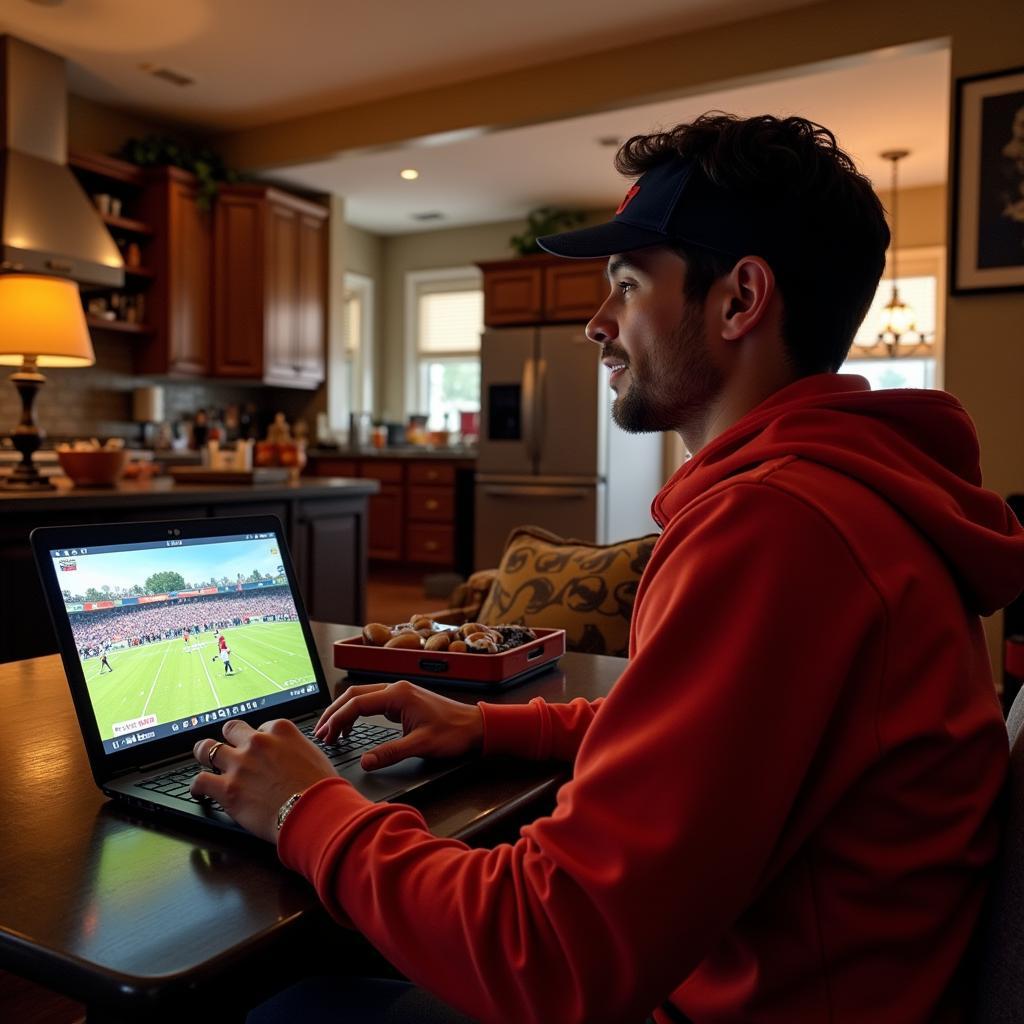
(922, 213)
(95, 128)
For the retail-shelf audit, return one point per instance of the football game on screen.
(173, 634)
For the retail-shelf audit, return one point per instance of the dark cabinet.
(179, 298)
(542, 289)
(329, 549)
(269, 287)
(385, 541)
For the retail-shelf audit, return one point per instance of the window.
(922, 272)
(444, 320)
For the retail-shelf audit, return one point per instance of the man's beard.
(676, 392)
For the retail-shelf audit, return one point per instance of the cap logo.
(628, 198)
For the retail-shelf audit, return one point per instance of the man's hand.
(259, 770)
(434, 726)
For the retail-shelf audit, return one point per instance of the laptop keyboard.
(363, 736)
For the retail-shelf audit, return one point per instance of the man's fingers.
(207, 785)
(391, 752)
(237, 733)
(211, 753)
(372, 703)
(341, 701)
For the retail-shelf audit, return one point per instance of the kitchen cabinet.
(385, 532)
(270, 287)
(179, 299)
(125, 310)
(422, 513)
(542, 289)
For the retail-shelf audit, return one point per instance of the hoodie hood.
(918, 449)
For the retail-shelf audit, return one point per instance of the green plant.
(161, 150)
(545, 220)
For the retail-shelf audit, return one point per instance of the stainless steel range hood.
(48, 225)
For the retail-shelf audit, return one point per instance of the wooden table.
(143, 920)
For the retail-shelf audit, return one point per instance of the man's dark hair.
(790, 170)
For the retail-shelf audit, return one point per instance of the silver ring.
(213, 754)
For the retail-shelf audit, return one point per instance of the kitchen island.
(325, 521)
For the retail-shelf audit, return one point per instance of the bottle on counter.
(200, 430)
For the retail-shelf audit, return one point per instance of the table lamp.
(41, 324)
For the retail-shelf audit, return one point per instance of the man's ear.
(748, 292)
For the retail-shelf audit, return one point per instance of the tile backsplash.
(97, 401)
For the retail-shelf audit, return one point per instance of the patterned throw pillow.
(586, 589)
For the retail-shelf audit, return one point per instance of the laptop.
(169, 629)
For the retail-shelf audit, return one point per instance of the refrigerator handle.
(538, 409)
(527, 405)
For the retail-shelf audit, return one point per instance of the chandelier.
(898, 331)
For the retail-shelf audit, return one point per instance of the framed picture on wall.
(988, 184)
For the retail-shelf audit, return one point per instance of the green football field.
(171, 679)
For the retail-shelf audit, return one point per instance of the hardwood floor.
(395, 595)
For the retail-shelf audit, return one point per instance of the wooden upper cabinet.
(574, 290)
(542, 289)
(179, 306)
(237, 312)
(270, 287)
(513, 293)
(312, 332)
(282, 293)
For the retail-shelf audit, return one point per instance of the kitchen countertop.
(163, 491)
(410, 451)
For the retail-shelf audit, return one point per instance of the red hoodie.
(785, 809)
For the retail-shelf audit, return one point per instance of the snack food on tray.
(422, 633)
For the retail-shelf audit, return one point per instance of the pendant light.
(898, 330)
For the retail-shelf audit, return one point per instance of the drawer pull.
(432, 474)
(431, 503)
(431, 545)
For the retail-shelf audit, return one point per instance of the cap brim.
(601, 240)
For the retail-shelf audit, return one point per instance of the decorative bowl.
(102, 467)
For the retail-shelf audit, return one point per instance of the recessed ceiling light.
(410, 173)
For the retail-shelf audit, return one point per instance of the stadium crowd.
(95, 632)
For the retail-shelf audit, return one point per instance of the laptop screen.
(176, 634)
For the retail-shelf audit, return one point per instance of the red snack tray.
(440, 668)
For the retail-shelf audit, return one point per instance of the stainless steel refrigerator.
(549, 453)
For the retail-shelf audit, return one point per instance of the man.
(104, 664)
(785, 809)
(225, 655)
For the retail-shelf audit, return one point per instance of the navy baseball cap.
(672, 202)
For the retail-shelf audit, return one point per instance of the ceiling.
(886, 101)
(259, 61)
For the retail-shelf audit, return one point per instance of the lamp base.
(26, 436)
(21, 479)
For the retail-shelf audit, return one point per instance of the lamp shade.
(42, 317)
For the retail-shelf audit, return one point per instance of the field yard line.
(202, 658)
(155, 678)
(271, 646)
(264, 674)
